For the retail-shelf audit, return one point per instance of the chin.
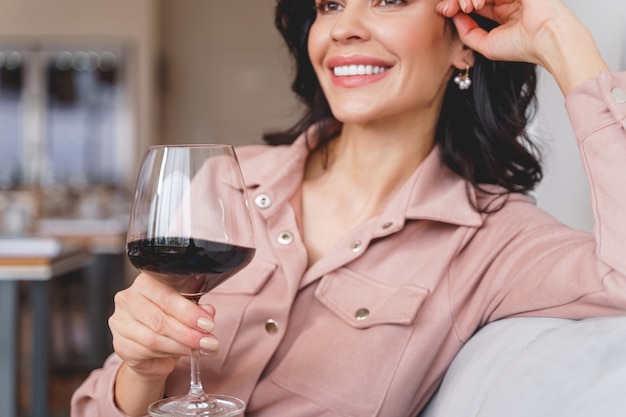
(355, 115)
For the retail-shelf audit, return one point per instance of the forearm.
(573, 57)
(599, 120)
(134, 393)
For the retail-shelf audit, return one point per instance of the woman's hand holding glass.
(153, 325)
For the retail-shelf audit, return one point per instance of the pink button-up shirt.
(370, 329)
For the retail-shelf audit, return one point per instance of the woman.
(395, 224)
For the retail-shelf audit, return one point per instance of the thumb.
(472, 35)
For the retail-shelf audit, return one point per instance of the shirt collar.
(437, 193)
(433, 191)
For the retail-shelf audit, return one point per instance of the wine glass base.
(210, 406)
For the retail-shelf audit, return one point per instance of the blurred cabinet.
(63, 115)
(88, 37)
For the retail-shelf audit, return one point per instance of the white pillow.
(539, 367)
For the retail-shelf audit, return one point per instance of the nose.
(351, 24)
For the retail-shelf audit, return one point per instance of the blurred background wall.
(227, 74)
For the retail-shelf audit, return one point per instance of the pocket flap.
(249, 280)
(363, 302)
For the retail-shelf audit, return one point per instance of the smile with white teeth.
(349, 70)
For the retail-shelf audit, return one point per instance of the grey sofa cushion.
(539, 367)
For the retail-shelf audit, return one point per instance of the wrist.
(573, 57)
(133, 392)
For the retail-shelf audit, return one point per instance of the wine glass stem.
(195, 390)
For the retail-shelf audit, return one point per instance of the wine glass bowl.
(191, 228)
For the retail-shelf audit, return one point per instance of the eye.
(391, 2)
(327, 6)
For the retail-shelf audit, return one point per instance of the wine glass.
(191, 228)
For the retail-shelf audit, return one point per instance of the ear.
(463, 58)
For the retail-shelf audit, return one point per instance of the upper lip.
(341, 60)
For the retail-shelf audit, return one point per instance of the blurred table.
(105, 239)
(100, 236)
(36, 269)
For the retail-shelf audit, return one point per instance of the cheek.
(315, 47)
(426, 52)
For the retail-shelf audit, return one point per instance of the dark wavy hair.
(481, 132)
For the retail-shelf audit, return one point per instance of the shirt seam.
(453, 317)
(607, 124)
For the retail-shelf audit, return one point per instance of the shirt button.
(387, 225)
(356, 246)
(263, 201)
(619, 95)
(285, 238)
(271, 326)
(362, 314)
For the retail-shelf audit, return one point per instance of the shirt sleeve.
(95, 397)
(597, 110)
(527, 263)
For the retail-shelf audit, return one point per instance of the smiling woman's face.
(378, 59)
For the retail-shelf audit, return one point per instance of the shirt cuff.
(597, 103)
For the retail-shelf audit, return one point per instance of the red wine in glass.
(193, 267)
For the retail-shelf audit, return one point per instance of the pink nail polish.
(208, 343)
(206, 324)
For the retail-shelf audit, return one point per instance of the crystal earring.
(463, 80)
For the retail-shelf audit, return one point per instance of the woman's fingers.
(472, 35)
(449, 8)
(515, 37)
(171, 316)
(153, 325)
(172, 303)
(157, 343)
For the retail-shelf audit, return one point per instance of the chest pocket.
(351, 344)
(362, 302)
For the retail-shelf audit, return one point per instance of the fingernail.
(209, 343)
(475, 3)
(206, 324)
(463, 4)
(444, 10)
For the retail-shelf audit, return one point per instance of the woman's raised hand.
(543, 32)
(153, 325)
